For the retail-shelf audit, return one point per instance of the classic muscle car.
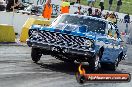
(80, 38)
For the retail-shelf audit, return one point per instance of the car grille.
(58, 39)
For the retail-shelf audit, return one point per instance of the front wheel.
(36, 54)
(94, 64)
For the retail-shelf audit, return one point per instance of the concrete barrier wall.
(18, 20)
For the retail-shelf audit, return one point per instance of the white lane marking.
(15, 73)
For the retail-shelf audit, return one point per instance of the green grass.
(125, 8)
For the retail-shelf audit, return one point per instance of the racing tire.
(36, 54)
(94, 63)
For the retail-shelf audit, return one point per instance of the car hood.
(74, 30)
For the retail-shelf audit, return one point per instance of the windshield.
(92, 24)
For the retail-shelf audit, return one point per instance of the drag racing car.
(79, 38)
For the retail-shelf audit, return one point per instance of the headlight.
(88, 43)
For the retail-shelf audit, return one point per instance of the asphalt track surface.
(18, 70)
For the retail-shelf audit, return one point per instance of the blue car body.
(79, 38)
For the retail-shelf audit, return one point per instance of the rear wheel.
(36, 54)
(112, 66)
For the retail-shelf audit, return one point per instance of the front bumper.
(61, 49)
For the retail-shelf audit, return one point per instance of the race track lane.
(18, 70)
